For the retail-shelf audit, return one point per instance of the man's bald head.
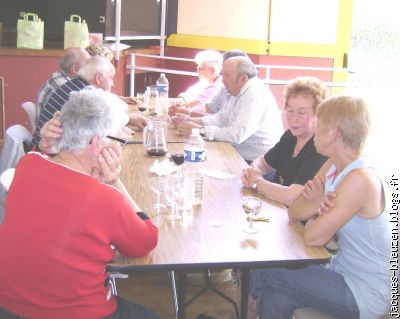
(72, 60)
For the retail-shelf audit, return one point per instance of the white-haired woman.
(346, 198)
(209, 64)
(68, 213)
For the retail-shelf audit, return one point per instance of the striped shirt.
(48, 88)
(55, 103)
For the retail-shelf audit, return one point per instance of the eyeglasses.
(298, 113)
(120, 140)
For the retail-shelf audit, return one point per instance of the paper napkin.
(163, 168)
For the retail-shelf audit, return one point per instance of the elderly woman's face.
(300, 115)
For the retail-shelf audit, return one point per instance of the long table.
(213, 236)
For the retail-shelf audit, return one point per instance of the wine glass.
(140, 99)
(172, 189)
(178, 158)
(157, 187)
(251, 206)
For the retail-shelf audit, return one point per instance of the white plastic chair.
(6, 178)
(30, 109)
(13, 150)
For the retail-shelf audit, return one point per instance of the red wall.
(25, 74)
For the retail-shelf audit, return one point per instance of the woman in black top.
(294, 157)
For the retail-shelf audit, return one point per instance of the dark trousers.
(130, 310)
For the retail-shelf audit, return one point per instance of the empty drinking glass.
(251, 206)
(157, 187)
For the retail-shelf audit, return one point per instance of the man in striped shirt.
(70, 63)
(97, 72)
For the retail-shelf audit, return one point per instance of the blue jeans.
(280, 291)
(130, 310)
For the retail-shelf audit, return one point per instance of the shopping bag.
(76, 33)
(30, 32)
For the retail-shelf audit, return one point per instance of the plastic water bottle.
(194, 156)
(162, 85)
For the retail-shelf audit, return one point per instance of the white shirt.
(219, 100)
(251, 121)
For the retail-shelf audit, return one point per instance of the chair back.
(30, 109)
(13, 150)
(6, 178)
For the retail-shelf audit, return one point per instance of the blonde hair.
(306, 85)
(94, 49)
(350, 116)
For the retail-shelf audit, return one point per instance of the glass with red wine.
(178, 158)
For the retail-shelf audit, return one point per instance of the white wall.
(305, 21)
(241, 19)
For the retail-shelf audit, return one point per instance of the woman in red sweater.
(66, 215)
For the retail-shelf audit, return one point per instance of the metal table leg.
(245, 293)
(182, 283)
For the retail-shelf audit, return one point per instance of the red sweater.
(56, 240)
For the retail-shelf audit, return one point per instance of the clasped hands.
(250, 176)
(315, 189)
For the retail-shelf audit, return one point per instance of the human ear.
(334, 133)
(95, 145)
(98, 78)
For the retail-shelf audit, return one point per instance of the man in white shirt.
(251, 120)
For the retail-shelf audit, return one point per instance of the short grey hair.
(245, 66)
(233, 53)
(71, 57)
(88, 113)
(96, 64)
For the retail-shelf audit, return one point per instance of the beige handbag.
(30, 32)
(76, 33)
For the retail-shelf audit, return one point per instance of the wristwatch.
(202, 131)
